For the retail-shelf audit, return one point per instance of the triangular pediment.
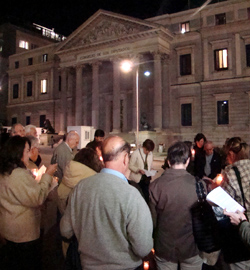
(105, 27)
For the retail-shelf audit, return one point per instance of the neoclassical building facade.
(199, 63)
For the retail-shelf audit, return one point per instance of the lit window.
(220, 59)
(222, 112)
(185, 27)
(220, 19)
(45, 57)
(185, 64)
(24, 44)
(44, 85)
(186, 114)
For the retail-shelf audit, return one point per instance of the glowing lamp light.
(126, 66)
(193, 153)
(219, 179)
(145, 265)
(147, 73)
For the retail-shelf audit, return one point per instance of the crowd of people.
(110, 212)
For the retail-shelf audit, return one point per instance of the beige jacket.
(74, 172)
(20, 200)
(136, 163)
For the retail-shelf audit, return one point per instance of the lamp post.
(127, 66)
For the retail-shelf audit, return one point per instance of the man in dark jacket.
(171, 197)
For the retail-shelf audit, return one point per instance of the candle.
(145, 265)
(153, 251)
(34, 172)
(219, 179)
(193, 153)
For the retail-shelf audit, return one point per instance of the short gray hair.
(28, 127)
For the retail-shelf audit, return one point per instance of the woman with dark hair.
(142, 160)
(20, 199)
(86, 163)
(200, 155)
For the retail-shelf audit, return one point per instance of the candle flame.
(145, 265)
(219, 179)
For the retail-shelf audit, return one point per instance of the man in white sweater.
(109, 217)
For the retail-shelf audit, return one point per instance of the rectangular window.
(24, 44)
(45, 57)
(248, 55)
(33, 46)
(13, 121)
(15, 90)
(42, 120)
(222, 112)
(29, 89)
(220, 59)
(27, 120)
(248, 13)
(184, 27)
(60, 83)
(30, 61)
(44, 85)
(17, 64)
(186, 114)
(185, 64)
(220, 19)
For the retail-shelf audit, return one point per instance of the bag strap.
(237, 173)
(144, 161)
(200, 191)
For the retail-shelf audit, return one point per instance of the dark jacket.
(172, 195)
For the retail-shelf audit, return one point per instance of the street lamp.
(127, 66)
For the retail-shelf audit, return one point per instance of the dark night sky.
(67, 16)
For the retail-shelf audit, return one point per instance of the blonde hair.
(238, 147)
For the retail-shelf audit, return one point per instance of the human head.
(148, 146)
(30, 130)
(209, 148)
(89, 157)
(14, 154)
(99, 135)
(72, 139)
(200, 139)
(97, 147)
(34, 148)
(115, 153)
(178, 153)
(236, 149)
(18, 129)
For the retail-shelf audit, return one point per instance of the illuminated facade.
(199, 61)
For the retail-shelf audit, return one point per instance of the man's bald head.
(112, 147)
(72, 139)
(18, 129)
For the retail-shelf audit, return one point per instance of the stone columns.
(116, 96)
(157, 92)
(22, 89)
(165, 92)
(78, 105)
(95, 94)
(63, 113)
(238, 53)
(136, 98)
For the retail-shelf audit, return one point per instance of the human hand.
(141, 172)
(51, 169)
(235, 217)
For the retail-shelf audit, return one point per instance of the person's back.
(110, 219)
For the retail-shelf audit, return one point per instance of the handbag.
(233, 248)
(204, 222)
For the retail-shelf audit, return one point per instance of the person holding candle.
(238, 170)
(20, 199)
(199, 155)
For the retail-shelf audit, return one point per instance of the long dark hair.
(89, 157)
(12, 153)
